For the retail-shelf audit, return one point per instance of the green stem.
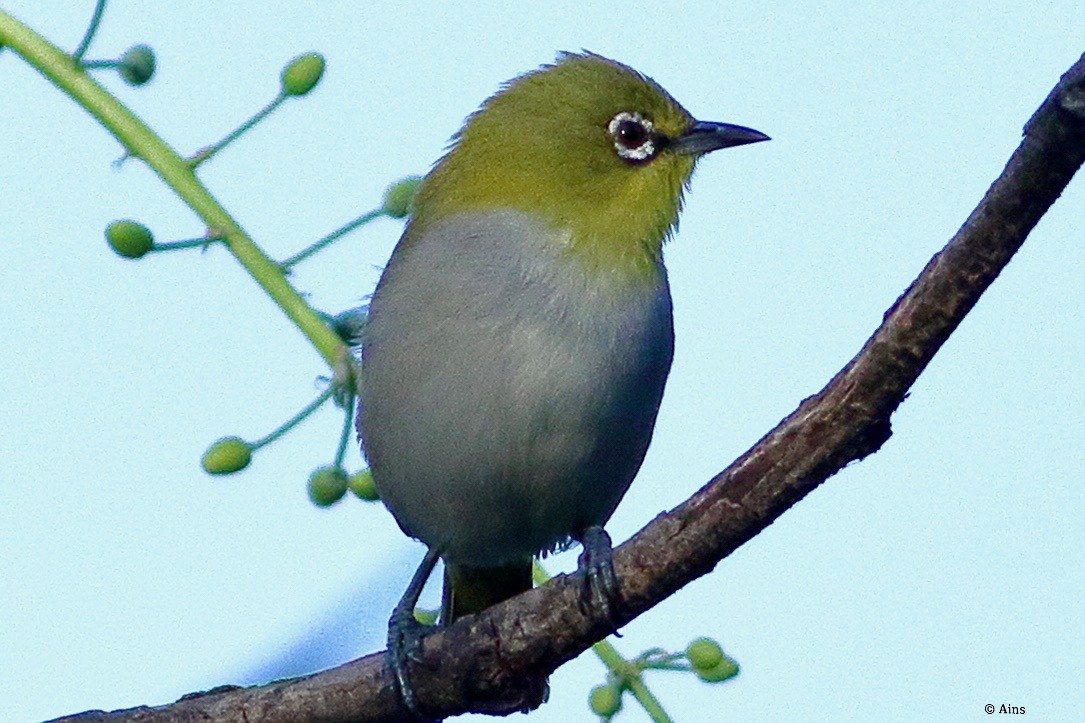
(209, 152)
(293, 421)
(626, 671)
(96, 64)
(141, 141)
(344, 438)
(88, 36)
(332, 237)
(190, 243)
(649, 702)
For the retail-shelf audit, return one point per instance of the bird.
(516, 347)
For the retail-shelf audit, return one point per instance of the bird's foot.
(596, 564)
(405, 635)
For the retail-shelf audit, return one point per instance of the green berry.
(136, 66)
(327, 485)
(426, 617)
(399, 197)
(226, 456)
(605, 700)
(129, 239)
(361, 484)
(302, 74)
(704, 653)
(726, 670)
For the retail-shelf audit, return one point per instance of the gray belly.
(507, 397)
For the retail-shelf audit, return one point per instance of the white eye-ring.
(634, 137)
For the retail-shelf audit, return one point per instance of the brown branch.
(498, 661)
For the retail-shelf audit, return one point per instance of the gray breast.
(507, 395)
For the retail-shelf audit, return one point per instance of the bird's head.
(588, 145)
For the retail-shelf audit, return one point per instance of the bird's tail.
(469, 589)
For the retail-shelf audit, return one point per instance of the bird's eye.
(634, 138)
(631, 134)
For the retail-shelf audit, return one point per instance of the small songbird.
(519, 339)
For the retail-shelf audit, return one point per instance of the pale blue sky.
(944, 573)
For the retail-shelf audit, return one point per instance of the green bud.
(226, 456)
(361, 484)
(399, 197)
(327, 485)
(302, 74)
(605, 701)
(725, 670)
(129, 239)
(348, 325)
(426, 617)
(136, 66)
(704, 653)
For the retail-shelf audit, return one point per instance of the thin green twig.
(293, 421)
(348, 425)
(88, 36)
(140, 141)
(190, 243)
(332, 237)
(205, 154)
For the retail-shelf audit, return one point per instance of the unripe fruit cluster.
(605, 700)
(708, 661)
(226, 456)
(302, 74)
(399, 197)
(129, 239)
(327, 485)
(136, 66)
(362, 485)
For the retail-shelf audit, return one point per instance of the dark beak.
(706, 136)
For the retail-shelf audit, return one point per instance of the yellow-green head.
(587, 144)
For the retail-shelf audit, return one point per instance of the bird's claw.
(596, 564)
(404, 637)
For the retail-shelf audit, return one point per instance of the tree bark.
(498, 661)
